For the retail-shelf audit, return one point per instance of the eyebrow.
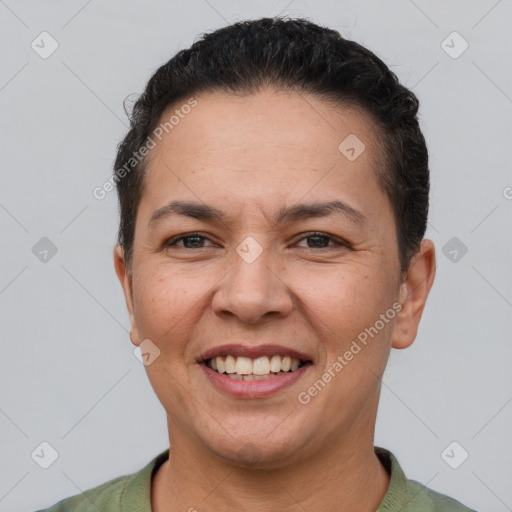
(209, 213)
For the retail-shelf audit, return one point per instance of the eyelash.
(337, 243)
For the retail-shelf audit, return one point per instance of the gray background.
(68, 375)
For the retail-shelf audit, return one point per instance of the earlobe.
(413, 295)
(134, 332)
(127, 284)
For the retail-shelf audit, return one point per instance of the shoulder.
(421, 496)
(132, 491)
(406, 495)
(100, 497)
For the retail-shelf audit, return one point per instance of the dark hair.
(293, 54)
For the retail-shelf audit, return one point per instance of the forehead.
(299, 122)
(275, 144)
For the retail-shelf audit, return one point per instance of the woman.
(273, 193)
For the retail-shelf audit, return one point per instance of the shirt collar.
(137, 491)
(395, 496)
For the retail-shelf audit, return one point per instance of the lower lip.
(253, 388)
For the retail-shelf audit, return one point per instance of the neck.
(347, 475)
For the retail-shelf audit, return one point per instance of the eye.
(318, 244)
(190, 241)
(195, 241)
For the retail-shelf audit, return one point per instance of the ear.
(126, 281)
(413, 294)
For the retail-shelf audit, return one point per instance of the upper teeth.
(259, 366)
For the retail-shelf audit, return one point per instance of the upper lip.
(252, 351)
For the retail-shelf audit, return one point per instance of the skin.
(249, 156)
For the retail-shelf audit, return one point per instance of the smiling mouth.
(260, 368)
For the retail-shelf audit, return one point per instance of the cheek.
(347, 298)
(164, 306)
(346, 308)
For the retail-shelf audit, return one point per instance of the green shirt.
(131, 493)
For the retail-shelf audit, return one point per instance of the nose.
(252, 290)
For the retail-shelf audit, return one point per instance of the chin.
(258, 451)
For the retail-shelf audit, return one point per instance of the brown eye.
(190, 241)
(321, 241)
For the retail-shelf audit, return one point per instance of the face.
(307, 284)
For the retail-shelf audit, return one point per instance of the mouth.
(260, 368)
(253, 371)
